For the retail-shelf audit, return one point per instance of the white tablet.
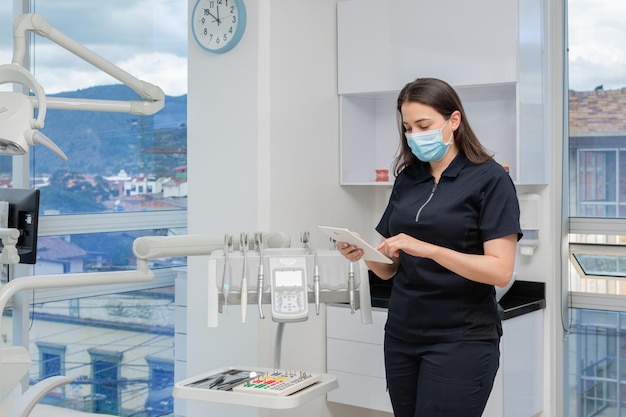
(344, 235)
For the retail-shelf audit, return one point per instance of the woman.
(451, 227)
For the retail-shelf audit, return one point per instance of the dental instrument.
(351, 287)
(244, 277)
(316, 271)
(228, 242)
(258, 238)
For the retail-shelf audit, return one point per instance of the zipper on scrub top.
(432, 192)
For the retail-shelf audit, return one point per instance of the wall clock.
(218, 25)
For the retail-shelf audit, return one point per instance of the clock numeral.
(234, 19)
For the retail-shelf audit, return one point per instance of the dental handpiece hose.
(316, 287)
(351, 287)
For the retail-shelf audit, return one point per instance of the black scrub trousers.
(442, 332)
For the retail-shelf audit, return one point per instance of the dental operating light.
(18, 125)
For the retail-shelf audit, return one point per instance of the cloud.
(596, 44)
(165, 70)
(147, 38)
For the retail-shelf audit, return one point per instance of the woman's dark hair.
(440, 96)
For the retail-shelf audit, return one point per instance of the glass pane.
(600, 266)
(6, 34)
(597, 354)
(603, 265)
(6, 54)
(95, 252)
(119, 349)
(596, 182)
(117, 161)
(596, 87)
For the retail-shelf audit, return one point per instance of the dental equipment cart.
(289, 279)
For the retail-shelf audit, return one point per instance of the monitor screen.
(288, 278)
(24, 216)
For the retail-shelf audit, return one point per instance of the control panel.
(288, 281)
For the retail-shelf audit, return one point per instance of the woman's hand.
(354, 253)
(403, 242)
(349, 251)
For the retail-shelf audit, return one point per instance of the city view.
(119, 347)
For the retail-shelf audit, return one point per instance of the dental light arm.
(18, 127)
(153, 97)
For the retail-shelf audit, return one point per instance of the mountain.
(103, 143)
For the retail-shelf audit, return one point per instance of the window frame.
(597, 226)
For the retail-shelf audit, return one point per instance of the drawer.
(360, 391)
(355, 357)
(340, 324)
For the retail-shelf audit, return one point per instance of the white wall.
(264, 155)
(263, 126)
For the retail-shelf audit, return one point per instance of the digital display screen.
(288, 278)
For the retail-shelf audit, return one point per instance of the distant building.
(597, 152)
(56, 255)
(129, 186)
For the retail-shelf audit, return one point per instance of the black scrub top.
(471, 204)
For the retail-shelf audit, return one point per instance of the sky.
(597, 44)
(115, 30)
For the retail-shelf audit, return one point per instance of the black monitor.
(24, 216)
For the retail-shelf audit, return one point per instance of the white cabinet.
(493, 59)
(355, 355)
(520, 379)
(383, 45)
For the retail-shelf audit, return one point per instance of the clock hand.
(218, 15)
(210, 14)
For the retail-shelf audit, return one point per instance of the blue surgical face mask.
(428, 146)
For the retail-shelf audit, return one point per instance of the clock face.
(218, 25)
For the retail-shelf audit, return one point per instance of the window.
(118, 348)
(598, 345)
(105, 371)
(596, 149)
(51, 359)
(160, 400)
(126, 177)
(596, 144)
(596, 191)
(119, 163)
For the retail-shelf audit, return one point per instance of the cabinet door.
(384, 45)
